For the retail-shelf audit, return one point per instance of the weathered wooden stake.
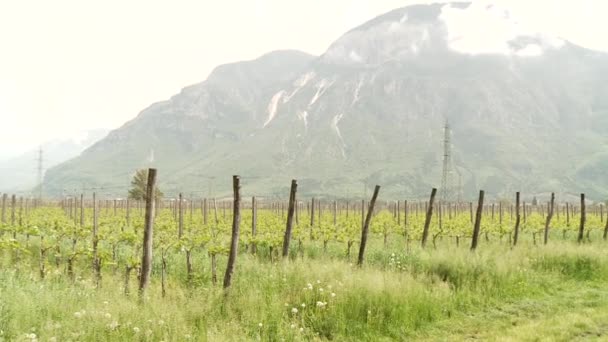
(549, 216)
(581, 229)
(476, 228)
(606, 229)
(290, 212)
(517, 219)
(236, 220)
(429, 215)
(146, 258)
(364, 231)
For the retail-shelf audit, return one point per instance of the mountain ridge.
(337, 122)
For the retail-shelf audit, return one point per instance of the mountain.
(20, 174)
(527, 112)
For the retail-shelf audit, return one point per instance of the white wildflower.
(260, 325)
(294, 310)
(293, 326)
(333, 294)
(303, 305)
(77, 314)
(107, 315)
(113, 325)
(136, 330)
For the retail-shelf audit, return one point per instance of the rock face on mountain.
(529, 116)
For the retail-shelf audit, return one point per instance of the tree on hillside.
(138, 186)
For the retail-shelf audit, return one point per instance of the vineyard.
(85, 268)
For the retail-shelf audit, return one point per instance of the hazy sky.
(71, 65)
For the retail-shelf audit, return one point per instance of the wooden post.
(581, 229)
(180, 224)
(477, 221)
(236, 220)
(606, 229)
(429, 215)
(365, 229)
(146, 258)
(549, 216)
(517, 219)
(254, 218)
(500, 213)
(290, 212)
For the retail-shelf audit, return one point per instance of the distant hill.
(370, 110)
(20, 174)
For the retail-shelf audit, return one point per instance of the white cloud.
(68, 65)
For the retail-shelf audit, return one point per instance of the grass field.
(555, 292)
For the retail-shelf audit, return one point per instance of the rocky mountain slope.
(530, 116)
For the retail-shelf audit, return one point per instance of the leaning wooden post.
(581, 229)
(365, 229)
(477, 221)
(549, 216)
(146, 258)
(517, 219)
(429, 215)
(606, 229)
(290, 212)
(236, 220)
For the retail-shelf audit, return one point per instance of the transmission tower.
(446, 177)
(40, 172)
